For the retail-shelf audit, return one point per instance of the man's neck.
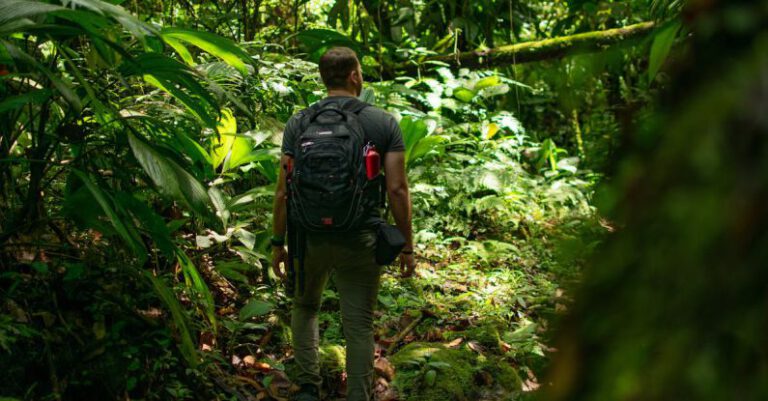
(341, 92)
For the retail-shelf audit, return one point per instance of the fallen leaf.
(475, 346)
(249, 361)
(262, 367)
(207, 341)
(530, 385)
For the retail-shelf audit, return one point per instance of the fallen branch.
(412, 325)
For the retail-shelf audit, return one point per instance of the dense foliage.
(139, 155)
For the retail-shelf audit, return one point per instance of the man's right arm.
(279, 218)
(400, 204)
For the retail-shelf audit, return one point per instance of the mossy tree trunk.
(546, 49)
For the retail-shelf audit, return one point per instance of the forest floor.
(472, 324)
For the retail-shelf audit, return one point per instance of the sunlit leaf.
(240, 152)
(491, 130)
(463, 94)
(487, 82)
(221, 145)
(216, 45)
(413, 131)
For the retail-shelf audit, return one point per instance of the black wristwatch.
(404, 252)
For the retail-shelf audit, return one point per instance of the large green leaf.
(220, 201)
(413, 131)
(187, 345)
(15, 9)
(220, 47)
(132, 24)
(63, 86)
(170, 178)
(196, 283)
(428, 144)
(256, 155)
(177, 80)
(36, 96)
(463, 94)
(240, 153)
(149, 221)
(662, 44)
(125, 231)
(487, 82)
(222, 144)
(254, 308)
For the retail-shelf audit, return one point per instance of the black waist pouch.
(389, 242)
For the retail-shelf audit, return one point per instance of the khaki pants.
(350, 257)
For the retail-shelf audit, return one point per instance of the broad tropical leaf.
(170, 178)
(211, 43)
(196, 283)
(662, 44)
(187, 346)
(254, 308)
(128, 234)
(15, 9)
(36, 96)
(177, 80)
(222, 144)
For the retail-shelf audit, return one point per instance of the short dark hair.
(335, 66)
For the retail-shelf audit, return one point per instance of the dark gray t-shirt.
(380, 127)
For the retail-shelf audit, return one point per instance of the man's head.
(340, 69)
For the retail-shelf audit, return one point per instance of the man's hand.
(407, 265)
(279, 255)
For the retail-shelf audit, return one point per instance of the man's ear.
(353, 76)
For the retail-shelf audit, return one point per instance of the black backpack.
(328, 187)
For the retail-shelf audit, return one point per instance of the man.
(349, 255)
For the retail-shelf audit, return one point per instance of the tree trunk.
(546, 49)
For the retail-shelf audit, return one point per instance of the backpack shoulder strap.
(308, 113)
(355, 105)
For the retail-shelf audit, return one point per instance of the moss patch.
(432, 372)
(487, 334)
(504, 375)
(332, 358)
